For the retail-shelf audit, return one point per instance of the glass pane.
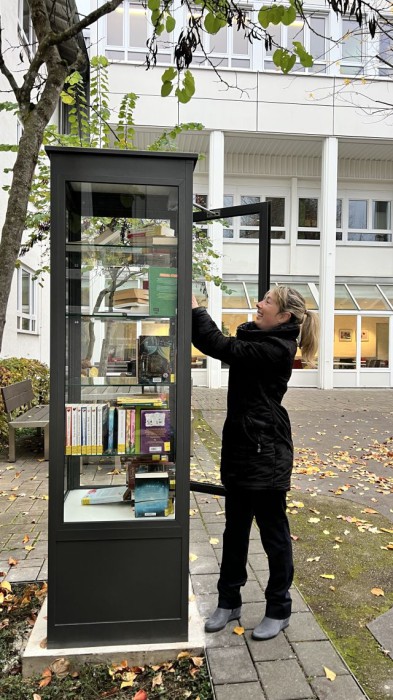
(344, 342)
(375, 342)
(249, 219)
(357, 213)
(308, 235)
(342, 298)
(200, 199)
(381, 215)
(114, 26)
(219, 41)
(228, 223)
(317, 37)
(227, 233)
(339, 206)
(235, 297)
(388, 291)
(25, 292)
(137, 25)
(121, 308)
(385, 48)
(278, 235)
(305, 291)
(230, 323)
(252, 290)
(198, 360)
(295, 32)
(26, 18)
(352, 42)
(275, 33)
(25, 324)
(115, 55)
(241, 44)
(277, 209)
(308, 212)
(249, 233)
(368, 297)
(370, 237)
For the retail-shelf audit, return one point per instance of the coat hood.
(285, 331)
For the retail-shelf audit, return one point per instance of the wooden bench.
(19, 395)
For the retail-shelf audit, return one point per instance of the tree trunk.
(23, 172)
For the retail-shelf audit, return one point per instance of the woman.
(257, 449)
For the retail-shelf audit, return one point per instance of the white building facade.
(317, 143)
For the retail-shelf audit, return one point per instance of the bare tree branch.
(5, 70)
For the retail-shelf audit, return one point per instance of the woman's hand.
(194, 303)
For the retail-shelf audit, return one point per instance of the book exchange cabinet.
(121, 259)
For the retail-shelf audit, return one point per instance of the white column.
(216, 199)
(327, 266)
(293, 223)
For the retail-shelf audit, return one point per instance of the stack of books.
(130, 297)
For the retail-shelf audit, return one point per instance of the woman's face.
(268, 313)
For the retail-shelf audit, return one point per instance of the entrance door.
(264, 243)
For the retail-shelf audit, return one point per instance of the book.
(162, 291)
(112, 430)
(155, 431)
(131, 296)
(143, 400)
(113, 494)
(154, 359)
(130, 431)
(68, 430)
(84, 429)
(151, 494)
(89, 446)
(121, 431)
(152, 230)
(106, 237)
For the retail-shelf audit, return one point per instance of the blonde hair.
(291, 300)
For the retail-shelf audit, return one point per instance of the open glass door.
(263, 211)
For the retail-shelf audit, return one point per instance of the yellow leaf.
(12, 497)
(29, 547)
(238, 630)
(313, 558)
(329, 674)
(157, 680)
(314, 520)
(12, 561)
(370, 510)
(6, 585)
(331, 576)
(25, 539)
(332, 588)
(214, 540)
(126, 684)
(377, 591)
(197, 660)
(326, 532)
(1, 598)
(183, 655)
(193, 557)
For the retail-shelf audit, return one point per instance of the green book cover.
(162, 291)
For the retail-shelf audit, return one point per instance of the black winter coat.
(257, 449)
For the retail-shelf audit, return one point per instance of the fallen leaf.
(214, 540)
(329, 674)
(12, 561)
(5, 585)
(377, 591)
(193, 557)
(128, 679)
(25, 539)
(140, 695)
(36, 696)
(314, 520)
(43, 643)
(60, 667)
(29, 548)
(46, 678)
(238, 630)
(370, 510)
(313, 558)
(157, 680)
(183, 655)
(330, 576)
(197, 660)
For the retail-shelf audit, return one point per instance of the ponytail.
(291, 300)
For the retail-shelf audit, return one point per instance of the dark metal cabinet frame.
(118, 582)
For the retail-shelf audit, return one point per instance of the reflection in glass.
(343, 299)
(381, 215)
(235, 297)
(375, 342)
(308, 212)
(368, 297)
(344, 342)
(357, 213)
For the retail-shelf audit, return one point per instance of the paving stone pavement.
(289, 667)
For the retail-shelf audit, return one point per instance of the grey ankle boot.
(220, 618)
(269, 628)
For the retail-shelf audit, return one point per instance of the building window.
(277, 217)
(385, 48)
(308, 229)
(26, 315)
(128, 29)
(25, 25)
(353, 48)
(312, 34)
(369, 220)
(229, 48)
(344, 342)
(339, 229)
(249, 224)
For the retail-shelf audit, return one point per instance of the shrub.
(16, 369)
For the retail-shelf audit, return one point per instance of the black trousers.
(269, 509)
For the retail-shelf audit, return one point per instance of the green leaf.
(287, 62)
(8, 106)
(263, 17)
(153, 4)
(182, 96)
(169, 74)
(277, 57)
(9, 147)
(289, 16)
(189, 83)
(213, 24)
(159, 28)
(276, 14)
(166, 89)
(66, 98)
(170, 24)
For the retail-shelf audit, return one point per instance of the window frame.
(29, 40)
(370, 198)
(308, 229)
(31, 315)
(127, 48)
(228, 58)
(320, 65)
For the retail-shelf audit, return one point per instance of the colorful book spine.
(68, 429)
(94, 429)
(155, 431)
(89, 445)
(99, 432)
(121, 431)
(84, 429)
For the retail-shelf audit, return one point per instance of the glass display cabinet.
(121, 257)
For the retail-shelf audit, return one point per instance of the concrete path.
(327, 427)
